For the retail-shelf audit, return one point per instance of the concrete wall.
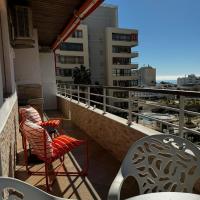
(110, 131)
(8, 131)
(27, 64)
(97, 22)
(48, 80)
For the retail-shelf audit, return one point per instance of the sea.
(169, 81)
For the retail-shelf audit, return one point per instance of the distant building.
(191, 82)
(146, 76)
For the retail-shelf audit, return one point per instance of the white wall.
(27, 64)
(7, 53)
(48, 80)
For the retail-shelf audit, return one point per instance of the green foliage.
(81, 75)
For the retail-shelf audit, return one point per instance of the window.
(68, 46)
(121, 72)
(125, 83)
(22, 22)
(70, 59)
(63, 72)
(77, 34)
(57, 71)
(123, 94)
(124, 37)
(121, 61)
(121, 49)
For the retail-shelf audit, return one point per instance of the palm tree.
(81, 75)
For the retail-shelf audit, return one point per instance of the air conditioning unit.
(23, 23)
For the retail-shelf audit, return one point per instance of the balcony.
(133, 54)
(178, 111)
(109, 139)
(89, 112)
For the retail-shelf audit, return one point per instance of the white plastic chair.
(17, 189)
(159, 163)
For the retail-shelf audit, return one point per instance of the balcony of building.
(123, 37)
(88, 112)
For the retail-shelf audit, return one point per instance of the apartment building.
(191, 82)
(72, 53)
(103, 47)
(146, 76)
(119, 43)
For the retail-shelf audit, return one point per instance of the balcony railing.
(177, 110)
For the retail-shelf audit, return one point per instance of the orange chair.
(49, 150)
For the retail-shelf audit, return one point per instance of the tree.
(81, 75)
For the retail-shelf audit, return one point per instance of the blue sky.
(169, 34)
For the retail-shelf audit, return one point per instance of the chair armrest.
(55, 122)
(114, 191)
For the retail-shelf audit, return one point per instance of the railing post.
(129, 108)
(88, 94)
(70, 91)
(78, 90)
(104, 100)
(65, 89)
(181, 115)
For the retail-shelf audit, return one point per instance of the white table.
(166, 196)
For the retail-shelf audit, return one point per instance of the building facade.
(119, 43)
(103, 47)
(189, 80)
(146, 76)
(72, 53)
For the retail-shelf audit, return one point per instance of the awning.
(88, 7)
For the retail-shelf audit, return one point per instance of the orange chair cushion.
(63, 144)
(52, 123)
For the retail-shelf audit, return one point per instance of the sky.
(169, 34)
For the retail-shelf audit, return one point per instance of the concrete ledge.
(8, 131)
(110, 131)
(6, 109)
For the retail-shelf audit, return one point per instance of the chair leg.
(26, 155)
(86, 164)
(47, 176)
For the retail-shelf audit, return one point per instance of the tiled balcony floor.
(102, 169)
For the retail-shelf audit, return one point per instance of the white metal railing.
(102, 97)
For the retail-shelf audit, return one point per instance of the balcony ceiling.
(55, 20)
(51, 16)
